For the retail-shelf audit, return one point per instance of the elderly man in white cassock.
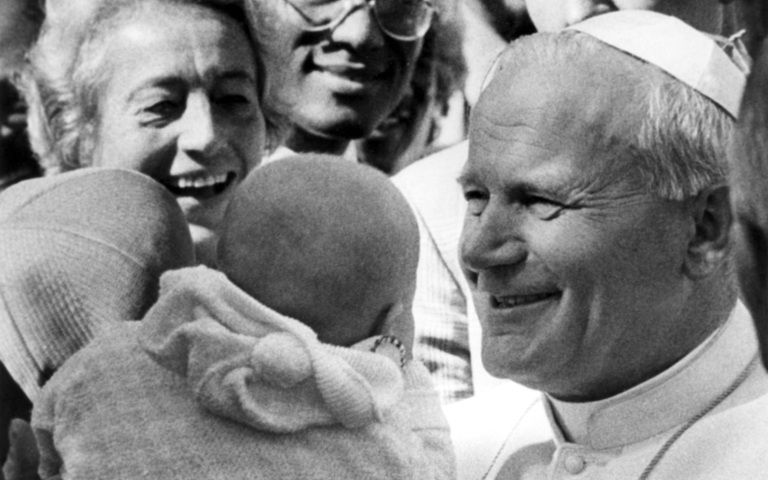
(597, 246)
(447, 328)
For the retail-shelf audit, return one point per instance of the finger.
(23, 456)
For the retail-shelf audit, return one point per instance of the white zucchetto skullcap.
(687, 54)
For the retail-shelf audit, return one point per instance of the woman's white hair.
(65, 67)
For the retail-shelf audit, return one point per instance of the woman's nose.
(198, 127)
(580, 10)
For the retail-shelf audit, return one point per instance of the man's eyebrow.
(519, 186)
(237, 74)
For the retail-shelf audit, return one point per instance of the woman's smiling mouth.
(201, 186)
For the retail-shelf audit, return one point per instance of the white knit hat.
(78, 250)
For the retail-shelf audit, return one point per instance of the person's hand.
(23, 456)
(399, 323)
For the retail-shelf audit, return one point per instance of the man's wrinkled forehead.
(547, 97)
(551, 107)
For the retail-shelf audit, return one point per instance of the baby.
(77, 251)
(80, 250)
(247, 372)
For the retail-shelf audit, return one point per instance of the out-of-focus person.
(16, 160)
(723, 17)
(554, 15)
(19, 23)
(339, 67)
(748, 153)
(490, 26)
(597, 244)
(414, 128)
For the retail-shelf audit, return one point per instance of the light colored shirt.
(447, 329)
(622, 436)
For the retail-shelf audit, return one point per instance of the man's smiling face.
(573, 264)
(338, 83)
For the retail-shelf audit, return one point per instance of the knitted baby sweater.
(213, 384)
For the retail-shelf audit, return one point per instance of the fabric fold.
(247, 362)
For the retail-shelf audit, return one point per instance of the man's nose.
(491, 240)
(198, 126)
(580, 10)
(359, 29)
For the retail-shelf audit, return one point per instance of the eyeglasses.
(404, 20)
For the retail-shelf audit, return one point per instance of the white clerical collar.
(665, 401)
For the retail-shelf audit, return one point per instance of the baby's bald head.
(330, 243)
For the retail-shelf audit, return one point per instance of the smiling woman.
(170, 88)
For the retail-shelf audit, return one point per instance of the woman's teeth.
(515, 300)
(197, 185)
(199, 182)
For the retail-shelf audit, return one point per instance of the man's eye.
(233, 99)
(476, 200)
(542, 207)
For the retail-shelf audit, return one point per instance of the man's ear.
(710, 243)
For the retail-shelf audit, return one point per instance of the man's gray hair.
(682, 140)
(680, 146)
(66, 66)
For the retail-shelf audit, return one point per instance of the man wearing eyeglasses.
(340, 67)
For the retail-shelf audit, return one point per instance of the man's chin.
(349, 128)
(342, 119)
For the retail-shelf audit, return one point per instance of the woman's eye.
(163, 108)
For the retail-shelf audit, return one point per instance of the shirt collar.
(666, 400)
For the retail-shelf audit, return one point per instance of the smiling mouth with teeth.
(198, 186)
(517, 300)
